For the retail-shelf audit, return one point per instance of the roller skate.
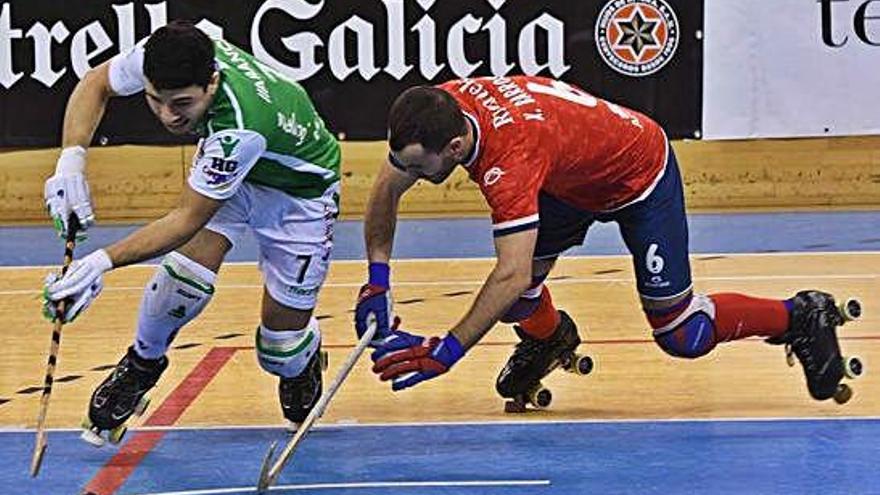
(298, 395)
(120, 396)
(533, 359)
(812, 339)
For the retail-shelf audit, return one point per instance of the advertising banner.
(355, 56)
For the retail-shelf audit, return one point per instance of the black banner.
(355, 56)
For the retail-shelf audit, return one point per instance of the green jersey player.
(265, 163)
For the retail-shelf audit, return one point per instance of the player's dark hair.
(178, 55)
(424, 115)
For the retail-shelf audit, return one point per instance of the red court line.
(120, 466)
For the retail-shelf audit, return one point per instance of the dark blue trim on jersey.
(396, 163)
(516, 228)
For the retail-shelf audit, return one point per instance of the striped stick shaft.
(41, 441)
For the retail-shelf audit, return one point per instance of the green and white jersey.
(261, 128)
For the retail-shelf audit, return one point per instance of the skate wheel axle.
(850, 309)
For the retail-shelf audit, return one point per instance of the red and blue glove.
(408, 359)
(374, 299)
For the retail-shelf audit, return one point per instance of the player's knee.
(521, 309)
(286, 353)
(179, 282)
(527, 303)
(688, 330)
(178, 291)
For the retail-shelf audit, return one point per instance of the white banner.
(790, 68)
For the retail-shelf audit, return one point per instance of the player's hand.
(78, 287)
(374, 299)
(408, 359)
(67, 192)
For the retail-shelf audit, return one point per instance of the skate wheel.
(325, 360)
(141, 406)
(853, 367)
(583, 365)
(91, 435)
(843, 394)
(851, 309)
(117, 434)
(540, 397)
(514, 406)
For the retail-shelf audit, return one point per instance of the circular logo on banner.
(637, 37)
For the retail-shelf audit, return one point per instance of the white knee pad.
(286, 353)
(179, 290)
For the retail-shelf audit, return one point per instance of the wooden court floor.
(632, 379)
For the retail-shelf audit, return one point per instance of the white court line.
(346, 424)
(693, 256)
(441, 283)
(372, 484)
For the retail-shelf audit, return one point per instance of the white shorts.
(295, 237)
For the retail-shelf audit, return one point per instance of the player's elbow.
(97, 80)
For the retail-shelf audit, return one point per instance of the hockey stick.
(269, 471)
(42, 441)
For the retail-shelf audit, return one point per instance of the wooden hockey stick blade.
(263, 484)
(37, 459)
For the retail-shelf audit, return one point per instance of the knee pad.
(527, 303)
(179, 290)
(286, 353)
(689, 332)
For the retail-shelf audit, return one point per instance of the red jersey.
(534, 134)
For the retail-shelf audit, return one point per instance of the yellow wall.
(137, 183)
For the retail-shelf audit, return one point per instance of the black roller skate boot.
(812, 337)
(121, 395)
(533, 359)
(298, 395)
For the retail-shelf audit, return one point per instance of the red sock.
(738, 316)
(543, 322)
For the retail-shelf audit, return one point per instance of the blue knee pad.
(693, 338)
(527, 303)
(692, 333)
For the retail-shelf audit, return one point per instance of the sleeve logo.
(228, 143)
(220, 171)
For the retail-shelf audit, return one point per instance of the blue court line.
(472, 237)
(680, 457)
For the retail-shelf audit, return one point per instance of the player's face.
(424, 164)
(180, 109)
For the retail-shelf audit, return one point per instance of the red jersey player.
(550, 160)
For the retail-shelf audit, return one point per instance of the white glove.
(80, 286)
(67, 192)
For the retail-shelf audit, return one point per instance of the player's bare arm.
(66, 192)
(381, 213)
(167, 233)
(510, 277)
(86, 106)
(374, 298)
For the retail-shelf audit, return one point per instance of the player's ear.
(456, 147)
(213, 83)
